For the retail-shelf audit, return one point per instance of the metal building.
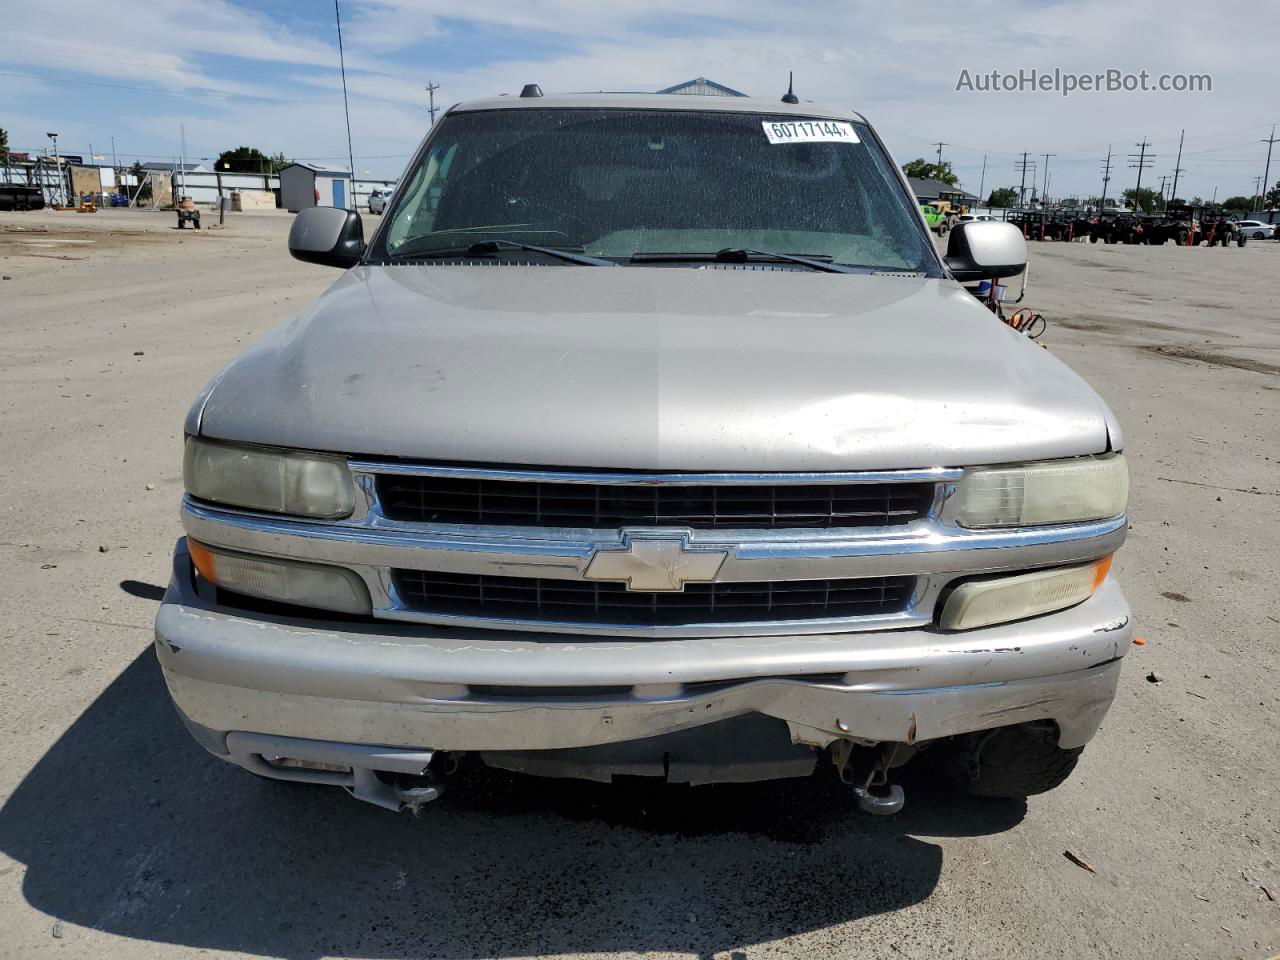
(703, 87)
(304, 185)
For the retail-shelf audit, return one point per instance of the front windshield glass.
(618, 183)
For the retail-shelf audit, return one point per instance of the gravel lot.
(119, 837)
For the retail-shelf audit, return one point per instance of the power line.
(940, 144)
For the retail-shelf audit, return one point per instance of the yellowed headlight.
(1049, 491)
(981, 603)
(285, 581)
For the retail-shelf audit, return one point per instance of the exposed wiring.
(1025, 320)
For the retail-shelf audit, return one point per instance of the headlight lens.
(1051, 491)
(259, 478)
(981, 603)
(286, 581)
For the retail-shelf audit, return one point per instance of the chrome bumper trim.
(929, 549)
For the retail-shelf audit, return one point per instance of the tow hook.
(416, 792)
(414, 799)
(880, 806)
(876, 795)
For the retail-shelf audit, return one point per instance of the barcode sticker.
(809, 131)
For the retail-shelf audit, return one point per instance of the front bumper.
(442, 688)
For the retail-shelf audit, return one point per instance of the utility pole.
(1163, 178)
(1257, 187)
(1266, 172)
(182, 162)
(1044, 193)
(1177, 167)
(1144, 160)
(1106, 178)
(982, 181)
(57, 170)
(1022, 185)
(432, 87)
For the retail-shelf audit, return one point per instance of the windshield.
(618, 183)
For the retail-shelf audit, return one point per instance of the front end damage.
(388, 711)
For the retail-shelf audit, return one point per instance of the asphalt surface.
(119, 837)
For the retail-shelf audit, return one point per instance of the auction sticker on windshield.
(809, 131)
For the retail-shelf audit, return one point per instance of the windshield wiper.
(487, 248)
(743, 255)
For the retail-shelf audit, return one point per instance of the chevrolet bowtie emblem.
(655, 563)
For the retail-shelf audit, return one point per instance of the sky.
(264, 73)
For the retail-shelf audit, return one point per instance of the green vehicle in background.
(938, 219)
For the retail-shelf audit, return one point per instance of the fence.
(203, 187)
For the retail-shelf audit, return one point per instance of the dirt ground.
(120, 838)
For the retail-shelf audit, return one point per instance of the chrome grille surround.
(930, 550)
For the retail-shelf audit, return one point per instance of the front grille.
(428, 499)
(601, 603)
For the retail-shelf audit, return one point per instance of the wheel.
(1258, 234)
(1093, 238)
(1241, 240)
(1016, 761)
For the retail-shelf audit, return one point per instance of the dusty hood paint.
(653, 368)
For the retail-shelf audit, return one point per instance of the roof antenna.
(790, 95)
(531, 90)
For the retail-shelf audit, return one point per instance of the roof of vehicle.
(659, 101)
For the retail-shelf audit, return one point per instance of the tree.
(1145, 199)
(1272, 200)
(1238, 203)
(922, 170)
(249, 160)
(142, 190)
(1003, 197)
(4, 144)
(1198, 201)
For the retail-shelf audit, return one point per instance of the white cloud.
(898, 66)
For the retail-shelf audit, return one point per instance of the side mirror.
(328, 236)
(985, 250)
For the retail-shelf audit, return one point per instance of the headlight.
(1051, 491)
(981, 603)
(260, 478)
(286, 581)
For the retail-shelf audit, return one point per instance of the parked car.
(649, 436)
(379, 199)
(1256, 229)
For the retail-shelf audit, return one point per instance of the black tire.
(1241, 240)
(1017, 761)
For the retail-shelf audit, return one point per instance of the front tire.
(1009, 762)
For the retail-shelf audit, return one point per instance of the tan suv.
(648, 435)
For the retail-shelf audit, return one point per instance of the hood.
(735, 369)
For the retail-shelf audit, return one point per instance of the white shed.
(304, 185)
